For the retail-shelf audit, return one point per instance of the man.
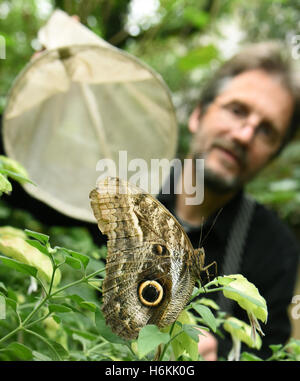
(245, 116)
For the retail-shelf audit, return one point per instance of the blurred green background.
(184, 41)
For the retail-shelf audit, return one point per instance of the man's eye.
(267, 131)
(237, 109)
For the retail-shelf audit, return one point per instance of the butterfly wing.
(145, 243)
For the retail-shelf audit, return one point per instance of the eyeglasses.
(238, 114)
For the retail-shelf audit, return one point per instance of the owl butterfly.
(151, 266)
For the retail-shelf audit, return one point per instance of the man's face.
(241, 129)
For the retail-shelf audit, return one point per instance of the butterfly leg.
(210, 276)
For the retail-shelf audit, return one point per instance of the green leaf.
(73, 262)
(105, 330)
(11, 294)
(198, 57)
(17, 248)
(84, 259)
(81, 340)
(293, 346)
(206, 315)
(2, 285)
(57, 319)
(5, 185)
(149, 338)
(76, 298)
(275, 348)
(40, 356)
(224, 280)
(86, 335)
(198, 18)
(20, 351)
(37, 245)
(73, 308)
(246, 356)
(43, 238)
(192, 331)
(17, 177)
(19, 266)
(89, 306)
(182, 342)
(59, 308)
(233, 293)
(247, 296)
(63, 353)
(14, 169)
(209, 303)
(12, 232)
(11, 303)
(242, 331)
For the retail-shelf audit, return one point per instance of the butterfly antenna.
(213, 224)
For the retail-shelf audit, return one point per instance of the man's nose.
(245, 133)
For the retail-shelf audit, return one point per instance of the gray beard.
(218, 184)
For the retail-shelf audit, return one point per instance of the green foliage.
(9, 168)
(288, 352)
(62, 321)
(149, 338)
(28, 316)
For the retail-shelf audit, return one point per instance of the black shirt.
(269, 261)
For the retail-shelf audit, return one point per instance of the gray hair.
(269, 56)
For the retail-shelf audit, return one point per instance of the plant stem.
(42, 284)
(168, 343)
(54, 267)
(205, 292)
(38, 320)
(95, 287)
(95, 347)
(131, 350)
(83, 279)
(23, 325)
(52, 279)
(43, 301)
(45, 341)
(11, 333)
(211, 290)
(95, 273)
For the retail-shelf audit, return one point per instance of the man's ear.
(194, 120)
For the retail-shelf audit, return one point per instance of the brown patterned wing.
(148, 271)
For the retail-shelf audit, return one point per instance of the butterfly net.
(78, 103)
